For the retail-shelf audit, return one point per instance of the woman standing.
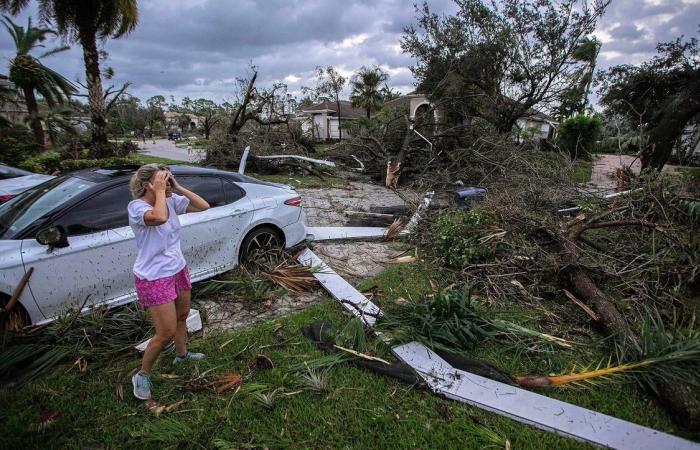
(161, 276)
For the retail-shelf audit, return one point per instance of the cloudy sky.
(197, 48)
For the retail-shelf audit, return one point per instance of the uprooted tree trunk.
(679, 398)
(393, 166)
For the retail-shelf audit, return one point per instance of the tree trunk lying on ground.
(678, 398)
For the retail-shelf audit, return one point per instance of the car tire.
(260, 239)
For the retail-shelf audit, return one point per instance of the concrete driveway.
(165, 148)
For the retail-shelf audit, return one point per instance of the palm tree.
(366, 91)
(86, 21)
(30, 75)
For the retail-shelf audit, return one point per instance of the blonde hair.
(142, 177)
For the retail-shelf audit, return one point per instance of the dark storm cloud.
(197, 48)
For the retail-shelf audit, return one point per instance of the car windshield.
(31, 205)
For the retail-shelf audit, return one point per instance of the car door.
(96, 266)
(210, 239)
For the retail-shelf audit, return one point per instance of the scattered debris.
(158, 409)
(261, 362)
(351, 299)
(581, 305)
(544, 412)
(119, 390)
(342, 233)
(227, 382)
(47, 419)
(444, 411)
(362, 166)
(417, 216)
(394, 230)
(322, 162)
(293, 278)
(244, 159)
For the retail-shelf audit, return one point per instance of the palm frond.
(670, 355)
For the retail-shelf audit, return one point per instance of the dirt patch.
(235, 314)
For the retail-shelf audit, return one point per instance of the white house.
(322, 121)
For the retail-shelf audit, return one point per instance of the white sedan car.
(14, 181)
(73, 231)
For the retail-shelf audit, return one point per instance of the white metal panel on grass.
(534, 409)
(341, 233)
(344, 292)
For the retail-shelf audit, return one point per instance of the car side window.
(233, 192)
(103, 211)
(209, 188)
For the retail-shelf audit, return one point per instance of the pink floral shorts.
(162, 290)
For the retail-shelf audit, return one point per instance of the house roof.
(346, 109)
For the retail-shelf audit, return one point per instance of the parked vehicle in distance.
(12, 172)
(174, 135)
(14, 181)
(73, 231)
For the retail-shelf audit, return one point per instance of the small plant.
(316, 380)
(266, 400)
(460, 237)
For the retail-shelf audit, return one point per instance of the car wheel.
(260, 240)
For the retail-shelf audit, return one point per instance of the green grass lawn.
(360, 409)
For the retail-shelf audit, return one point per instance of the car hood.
(14, 186)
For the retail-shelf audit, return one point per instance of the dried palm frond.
(294, 278)
(394, 229)
(228, 381)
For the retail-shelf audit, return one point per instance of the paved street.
(167, 149)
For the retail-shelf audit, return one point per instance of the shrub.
(46, 162)
(457, 235)
(79, 164)
(578, 135)
(126, 148)
(16, 144)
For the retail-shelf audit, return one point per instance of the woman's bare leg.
(182, 305)
(164, 318)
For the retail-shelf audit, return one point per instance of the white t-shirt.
(159, 254)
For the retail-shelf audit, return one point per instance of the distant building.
(12, 107)
(533, 124)
(322, 120)
(172, 120)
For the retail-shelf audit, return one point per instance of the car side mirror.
(54, 237)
